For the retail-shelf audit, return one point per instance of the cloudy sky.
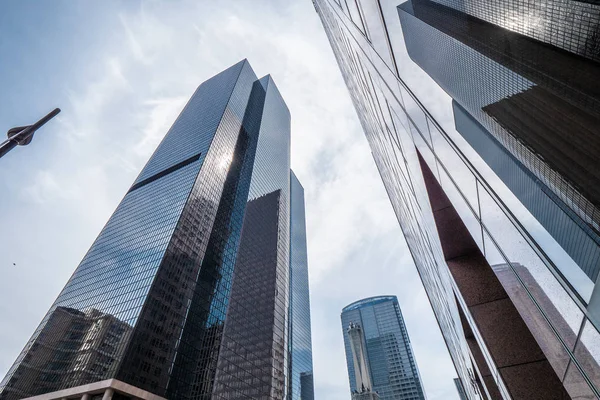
(121, 71)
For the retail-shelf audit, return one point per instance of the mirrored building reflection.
(540, 103)
(185, 294)
(254, 336)
(74, 345)
(379, 356)
(482, 118)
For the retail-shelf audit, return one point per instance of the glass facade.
(151, 301)
(546, 115)
(468, 202)
(252, 344)
(301, 368)
(390, 363)
(254, 361)
(459, 389)
(575, 238)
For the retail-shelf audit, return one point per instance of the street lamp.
(22, 135)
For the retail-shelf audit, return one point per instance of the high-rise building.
(482, 120)
(185, 294)
(379, 355)
(301, 368)
(539, 104)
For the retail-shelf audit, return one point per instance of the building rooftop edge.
(368, 301)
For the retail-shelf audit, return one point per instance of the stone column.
(108, 394)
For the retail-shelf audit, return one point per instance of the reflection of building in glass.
(73, 345)
(307, 390)
(147, 309)
(545, 115)
(578, 240)
(362, 376)
(509, 276)
(379, 356)
(571, 26)
(301, 369)
(254, 330)
(526, 99)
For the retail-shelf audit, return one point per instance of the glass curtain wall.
(406, 115)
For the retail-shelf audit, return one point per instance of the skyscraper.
(185, 292)
(540, 103)
(379, 356)
(500, 172)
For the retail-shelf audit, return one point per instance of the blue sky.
(121, 71)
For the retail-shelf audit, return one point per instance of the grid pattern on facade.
(527, 117)
(148, 303)
(301, 368)
(396, 159)
(154, 357)
(398, 128)
(175, 348)
(117, 277)
(551, 294)
(570, 25)
(539, 200)
(254, 358)
(272, 173)
(114, 277)
(203, 114)
(390, 360)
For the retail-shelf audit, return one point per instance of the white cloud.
(134, 45)
(44, 189)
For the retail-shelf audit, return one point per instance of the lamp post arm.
(7, 146)
(22, 135)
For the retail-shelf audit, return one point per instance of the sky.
(121, 71)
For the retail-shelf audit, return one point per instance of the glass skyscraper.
(482, 120)
(540, 103)
(378, 351)
(459, 389)
(301, 369)
(185, 294)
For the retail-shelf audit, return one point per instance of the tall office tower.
(379, 356)
(495, 186)
(185, 292)
(539, 103)
(301, 369)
